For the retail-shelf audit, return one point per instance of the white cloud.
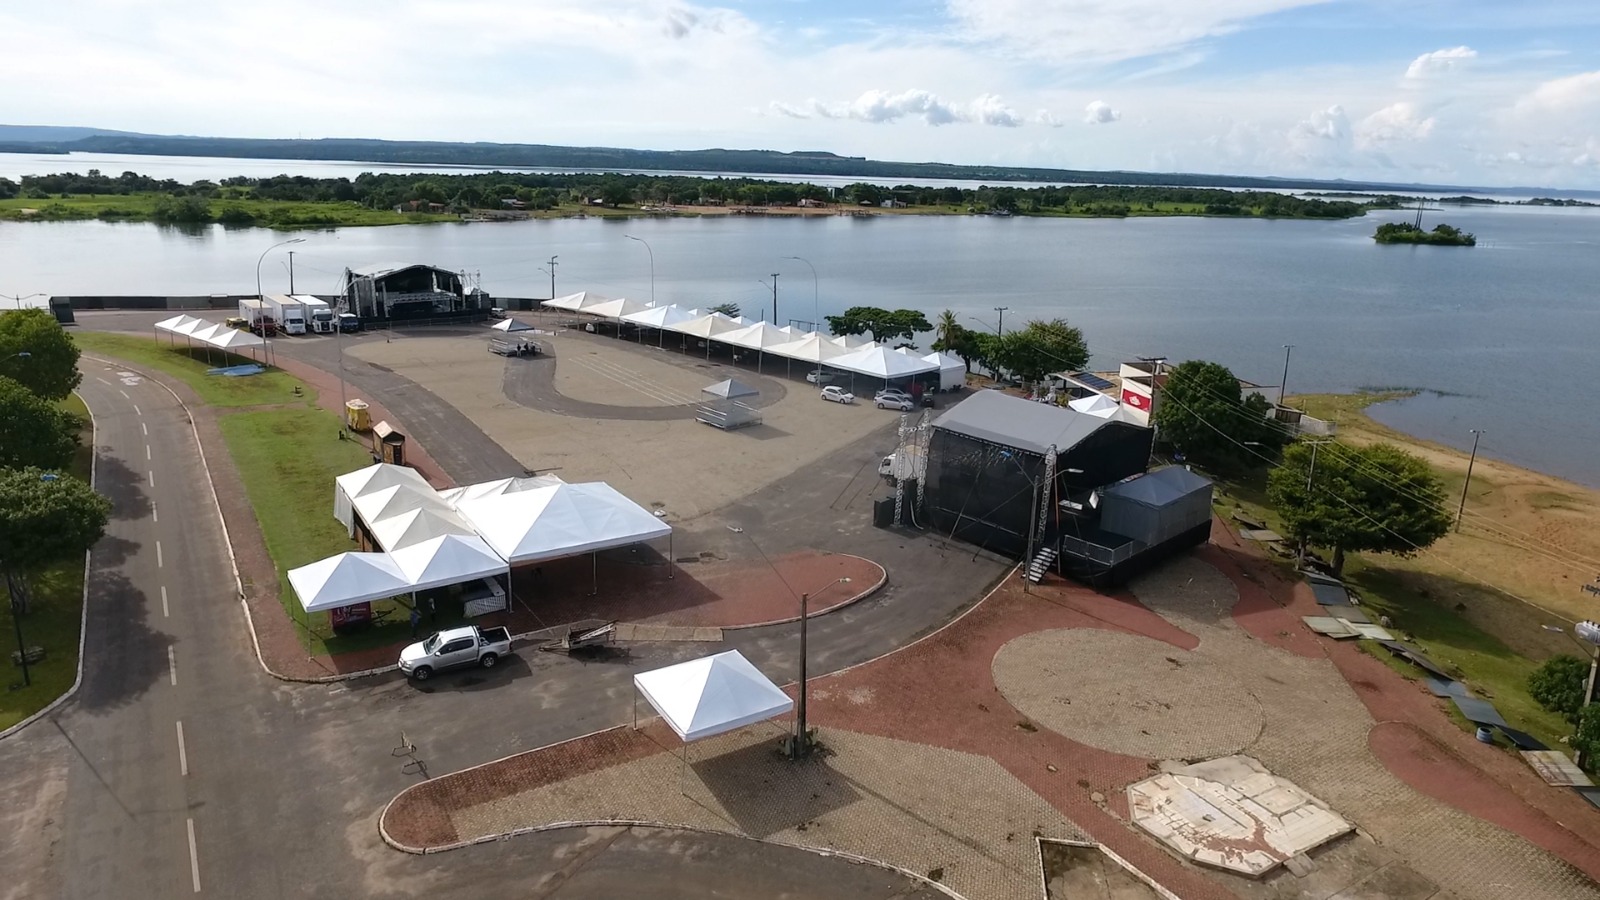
(784, 109)
(1565, 93)
(1047, 118)
(879, 107)
(1439, 62)
(991, 110)
(1331, 124)
(1100, 113)
(1394, 124)
(1081, 31)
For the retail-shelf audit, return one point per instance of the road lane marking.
(183, 755)
(144, 429)
(152, 477)
(158, 554)
(194, 859)
(153, 516)
(136, 410)
(147, 455)
(102, 381)
(124, 394)
(172, 664)
(164, 612)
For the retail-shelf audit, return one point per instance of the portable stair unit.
(1040, 565)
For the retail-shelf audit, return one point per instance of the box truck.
(319, 315)
(290, 313)
(257, 317)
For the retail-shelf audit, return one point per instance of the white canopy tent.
(812, 348)
(370, 480)
(561, 520)
(952, 370)
(615, 309)
(348, 579)
(510, 325)
(417, 526)
(882, 362)
(713, 695)
(448, 559)
(234, 339)
(454, 496)
(576, 302)
(1095, 405)
(709, 325)
(852, 341)
(662, 318)
(389, 502)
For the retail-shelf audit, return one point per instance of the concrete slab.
(1329, 626)
(1232, 814)
(1556, 768)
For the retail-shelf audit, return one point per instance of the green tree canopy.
(51, 366)
(1039, 348)
(1204, 415)
(1558, 685)
(1377, 498)
(33, 430)
(731, 310)
(884, 325)
(950, 336)
(45, 520)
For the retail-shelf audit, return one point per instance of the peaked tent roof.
(852, 341)
(945, 361)
(347, 579)
(614, 309)
(509, 325)
(208, 332)
(233, 339)
(1009, 421)
(811, 348)
(1159, 487)
(378, 476)
(386, 503)
(661, 316)
(176, 322)
(448, 559)
(883, 363)
(760, 336)
(731, 390)
(454, 496)
(560, 520)
(576, 302)
(1095, 405)
(707, 326)
(416, 526)
(712, 695)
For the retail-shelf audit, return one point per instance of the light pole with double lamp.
(267, 344)
(800, 743)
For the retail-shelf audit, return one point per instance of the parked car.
(454, 648)
(238, 322)
(817, 376)
(893, 398)
(837, 394)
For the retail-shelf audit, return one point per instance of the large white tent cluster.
(430, 538)
(208, 333)
(846, 353)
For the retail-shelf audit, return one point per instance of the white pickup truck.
(454, 648)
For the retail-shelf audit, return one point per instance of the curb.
(641, 823)
(83, 614)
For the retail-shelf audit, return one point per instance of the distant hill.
(615, 159)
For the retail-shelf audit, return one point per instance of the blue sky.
(1428, 90)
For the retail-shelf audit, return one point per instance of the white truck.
(290, 313)
(907, 465)
(454, 648)
(257, 317)
(319, 315)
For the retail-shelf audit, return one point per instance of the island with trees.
(286, 201)
(1407, 233)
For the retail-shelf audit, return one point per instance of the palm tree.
(947, 332)
(731, 310)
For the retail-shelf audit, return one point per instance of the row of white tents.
(431, 538)
(209, 334)
(846, 353)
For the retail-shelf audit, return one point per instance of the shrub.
(1558, 685)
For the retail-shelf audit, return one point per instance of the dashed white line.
(136, 410)
(194, 859)
(164, 613)
(172, 664)
(183, 755)
(102, 381)
(152, 477)
(154, 517)
(158, 554)
(147, 455)
(144, 429)
(124, 394)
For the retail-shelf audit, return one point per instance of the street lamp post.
(1283, 385)
(552, 271)
(267, 344)
(652, 266)
(774, 299)
(1461, 510)
(21, 297)
(800, 745)
(816, 304)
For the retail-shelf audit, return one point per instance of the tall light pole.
(1311, 472)
(816, 297)
(1000, 329)
(263, 257)
(652, 265)
(774, 299)
(552, 271)
(800, 745)
(1283, 386)
(1461, 510)
(21, 297)
(291, 273)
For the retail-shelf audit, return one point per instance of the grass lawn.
(283, 214)
(288, 459)
(54, 619)
(189, 365)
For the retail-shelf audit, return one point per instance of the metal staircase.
(1040, 564)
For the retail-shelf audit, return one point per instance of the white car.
(891, 394)
(816, 376)
(892, 399)
(837, 394)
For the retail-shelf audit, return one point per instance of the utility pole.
(774, 299)
(552, 278)
(1462, 509)
(1311, 472)
(1283, 386)
(291, 273)
(1000, 329)
(800, 744)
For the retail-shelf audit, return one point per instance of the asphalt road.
(282, 784)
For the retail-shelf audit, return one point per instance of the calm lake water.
(1491, 332)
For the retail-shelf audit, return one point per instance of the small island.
(1407, 233)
